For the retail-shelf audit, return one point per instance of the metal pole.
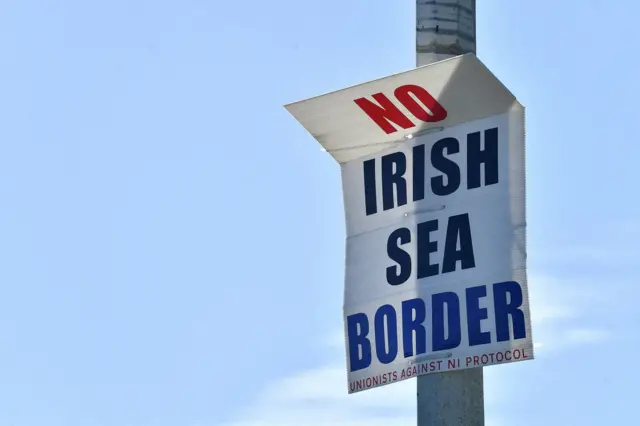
(446, 28)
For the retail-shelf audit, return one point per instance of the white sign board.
(433, 180)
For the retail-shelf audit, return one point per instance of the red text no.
(414, 98)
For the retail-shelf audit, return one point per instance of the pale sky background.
(172, 240)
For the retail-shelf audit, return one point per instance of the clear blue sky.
(171, 239)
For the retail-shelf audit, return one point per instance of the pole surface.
(444, 28)
(447, 28)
